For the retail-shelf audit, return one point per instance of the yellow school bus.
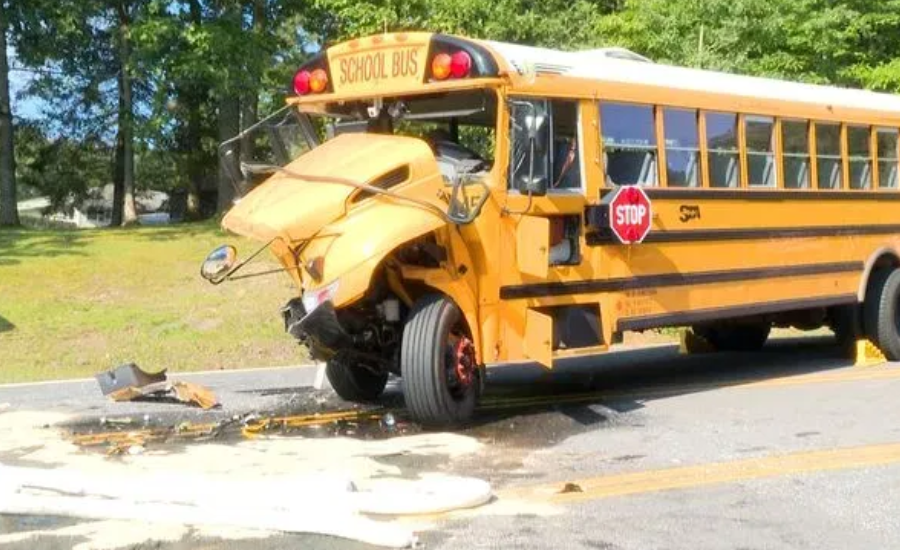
(454, 203)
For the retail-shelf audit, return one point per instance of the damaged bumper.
(319, 329)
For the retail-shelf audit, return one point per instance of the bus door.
(546, 194)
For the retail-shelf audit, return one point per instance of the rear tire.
(882, 312)
(435, 395)
(354, 383)
(738, 337)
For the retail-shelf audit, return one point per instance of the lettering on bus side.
(689, 212)
(379, 66)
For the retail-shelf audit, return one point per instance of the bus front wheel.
(352, 382)
(441, 377)
(737, 337)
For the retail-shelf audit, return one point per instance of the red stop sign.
(630, 214)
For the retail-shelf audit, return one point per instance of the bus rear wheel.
(441, 377)
(352, 382)
(737, 337)
(882, 313)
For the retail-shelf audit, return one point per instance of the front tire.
(352, 382)
(882, 311)
(441, 380)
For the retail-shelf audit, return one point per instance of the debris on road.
(128, 383)
(330, 505)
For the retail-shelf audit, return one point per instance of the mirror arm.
(241, 264)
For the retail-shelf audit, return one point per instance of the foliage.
(203, 69)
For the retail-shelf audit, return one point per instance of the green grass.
(73, 303)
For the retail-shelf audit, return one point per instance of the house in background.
(95, 210)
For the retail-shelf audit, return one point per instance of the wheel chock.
(868, 354)
(692, 343)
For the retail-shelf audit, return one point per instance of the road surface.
(788, 448)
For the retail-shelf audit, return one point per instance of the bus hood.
(296, 206)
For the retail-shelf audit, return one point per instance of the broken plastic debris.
(128, 383)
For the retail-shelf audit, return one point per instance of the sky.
(18, 80)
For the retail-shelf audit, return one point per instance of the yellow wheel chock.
(867, 354)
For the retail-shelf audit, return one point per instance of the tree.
(124, 212)
(9, 214)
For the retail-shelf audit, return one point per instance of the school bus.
(455, 203)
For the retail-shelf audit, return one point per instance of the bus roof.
(622, 66)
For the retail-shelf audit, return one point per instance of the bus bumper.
(319, 330)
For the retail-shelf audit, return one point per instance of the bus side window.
(629, 144)
(761, 168)
(682, 147)
(888, 164)
(722, 144)
(795, 137)
(566, 161)
(828, 155)
(860, 150)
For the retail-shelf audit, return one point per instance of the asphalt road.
(788, 448)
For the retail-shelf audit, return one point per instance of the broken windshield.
(458, 126)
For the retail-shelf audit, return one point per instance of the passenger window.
(565, 159)
(761, 168)
(795, 136)
(887, 158)
(722, 144)
(828, 156)
(682, 147)
(556, 153)
(859, 147)
(629, 144)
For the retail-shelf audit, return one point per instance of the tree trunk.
(193, 146)
(229, 126)
(126, 116)
(9, 213)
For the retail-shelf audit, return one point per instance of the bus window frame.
(707, 152)
(860, 158)
(663, 145)
(773, 139)
(511, 190)
(816, 156)
(877, 130)
(655, 112)
(810, 159)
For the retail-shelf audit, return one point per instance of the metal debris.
(128, 383)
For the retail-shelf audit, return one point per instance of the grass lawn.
(73, 303)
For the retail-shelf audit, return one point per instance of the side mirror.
(530, 157)
(218, 264)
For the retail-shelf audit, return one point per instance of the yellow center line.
(879, 373)
(706, 474)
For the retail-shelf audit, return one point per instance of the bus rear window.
(629, 144)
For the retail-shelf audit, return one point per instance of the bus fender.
(888, 253)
